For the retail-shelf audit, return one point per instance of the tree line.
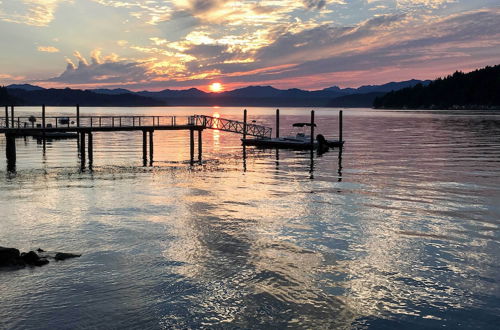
(479, 89)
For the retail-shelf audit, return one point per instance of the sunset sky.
(308, 44)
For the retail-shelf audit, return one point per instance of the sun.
(216, 87)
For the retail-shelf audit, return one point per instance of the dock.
(85, 126)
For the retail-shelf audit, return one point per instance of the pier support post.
(312, 129)
(91, 149)
(151, 148)
(10, 152)
(7, 116)
(200, 144)
(144, 148)
(340, 126)
(191, 146)
(12, 116)
(277, 123)
(244, 124)
(82, 149)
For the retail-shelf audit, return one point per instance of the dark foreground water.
(401, 230)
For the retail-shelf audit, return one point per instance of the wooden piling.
(7, 116)
(151, 148)
(10, 152)
(244, 124)
(200, 144)
(277, 123)
(82, 149)
(91, 149)
(77, 115)
(191, 146)
(144, 148)
(312, 129)
(340, 125)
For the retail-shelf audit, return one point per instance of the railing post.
(43, 115)
(77, 115)
(312, 129)
(277, 123)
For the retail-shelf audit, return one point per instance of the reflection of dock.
(85, 126)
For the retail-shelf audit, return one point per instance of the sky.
(178, 44)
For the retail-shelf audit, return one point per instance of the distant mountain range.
(363, 96)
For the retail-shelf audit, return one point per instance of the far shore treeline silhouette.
(479, 89)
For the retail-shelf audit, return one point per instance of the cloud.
(30, 12)
(48, 49)
(107, 70)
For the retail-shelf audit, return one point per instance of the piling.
(244, 124)
(7, 116)
(151, 148)
(10, 152)
(43, 116)
(340, 125)
(191, 145)
(82, 148)
(200, 144)
(12, 116)
(312, 129)
(91, 149)
(277, 123)
(144, 148)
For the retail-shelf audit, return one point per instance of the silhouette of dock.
(83, 127)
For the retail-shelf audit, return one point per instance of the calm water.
(400, 230)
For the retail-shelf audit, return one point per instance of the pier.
(84, 127)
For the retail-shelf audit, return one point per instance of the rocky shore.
(11, 257)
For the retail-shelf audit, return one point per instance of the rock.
(40, 250)
(30, 258)
(9, 256)
(64, 256)
(40, 262)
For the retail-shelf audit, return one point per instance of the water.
(400, 230)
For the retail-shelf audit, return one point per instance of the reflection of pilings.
(200, 144)
(244, 158)
(151, 148)
(244, 124)
(191, 146)
(340, 165)
(10, 152)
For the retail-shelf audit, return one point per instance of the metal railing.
(233, 126)
(210, 122)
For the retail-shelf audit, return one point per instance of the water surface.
(400, 229)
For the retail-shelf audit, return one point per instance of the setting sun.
(216, 87)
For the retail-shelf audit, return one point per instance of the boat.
(300, 141)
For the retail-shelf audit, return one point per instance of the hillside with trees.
(479, 89)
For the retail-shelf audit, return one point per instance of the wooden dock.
(85, 126)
